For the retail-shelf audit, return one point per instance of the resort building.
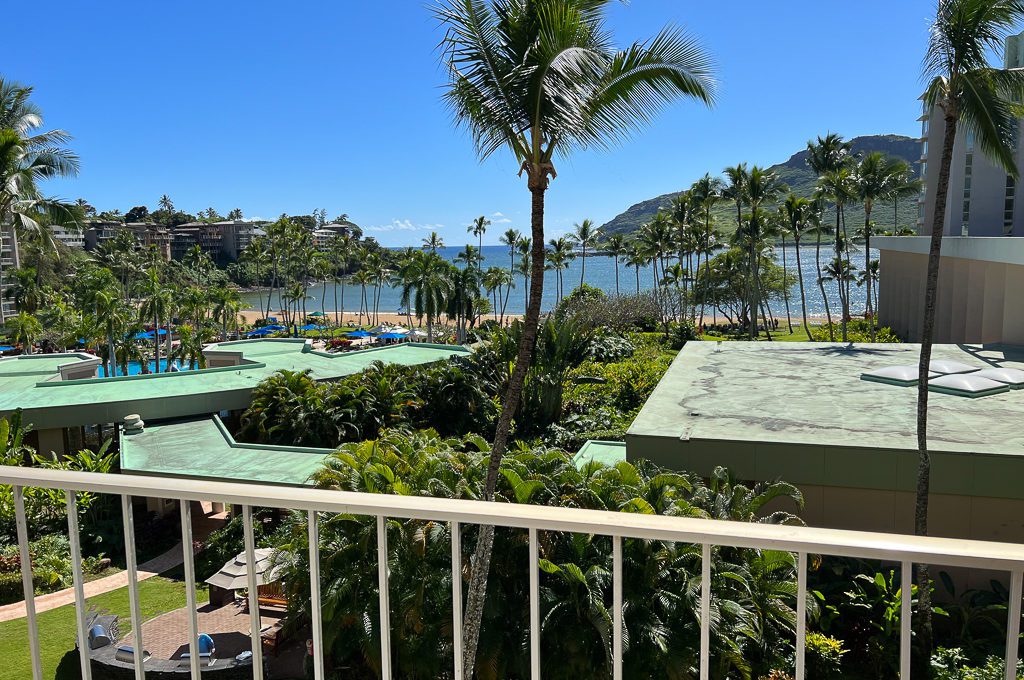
(981, 273)
(186, 236)
(982, 196)
(146, 234)
(9, 263)
(802, 413)
(325, 235)
(236, 235)
(72, 238)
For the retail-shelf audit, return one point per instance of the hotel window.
(1011, 190)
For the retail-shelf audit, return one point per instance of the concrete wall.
(980, 292)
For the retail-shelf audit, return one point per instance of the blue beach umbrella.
(359, 334)
(392, 336)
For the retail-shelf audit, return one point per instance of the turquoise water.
(135, 368)
(600, 272)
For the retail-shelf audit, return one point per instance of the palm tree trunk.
(156, 341)
(616, 258)
(867, 267)
(924, 463)
(510, 404)
(785, 285)
(803, 298)
(821, 286)
(583, 268)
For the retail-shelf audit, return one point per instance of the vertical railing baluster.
(617, 608)
(457, 598)
(314, 595)
(1013, 624)
(906, 589)
(534, 607)
(128, 523)
(190, 587)
(27, 584)
(255, 622)
(79, 582)
(801, 614)
(705, 612)
(384, 598)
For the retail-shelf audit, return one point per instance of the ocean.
(600, 273)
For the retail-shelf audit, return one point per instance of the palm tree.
(427, 286)
(524, 248)
(27, 158)
(636, 258)
(541, 79)
(876, 178)
(226, 304)
(904, 187)
(840, 187)
(736, 190)
(478, 228)
(156, 302)
(363, 278)
(795, 212)
(342, 249)
(984, 101)
(585, 235)
(256, 254)
(166, 204)
(24, 329)
(615, 246)
(433, 242)
(559, 258)
(705, 193)
(762, 187)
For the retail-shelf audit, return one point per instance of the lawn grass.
(157, 595)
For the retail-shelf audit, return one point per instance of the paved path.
(203, 525)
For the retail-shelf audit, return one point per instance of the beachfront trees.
(155, 305)
(478, 228)
(343, 248)
(28, 158)
(762, 187)
(615, 246)
(433, 242)
(427, 285)
(840, 187)
(558, 259)
(585, 235)
(705, 193)
(876, 177)
(982, 100)
(796, 213)
(541, 79)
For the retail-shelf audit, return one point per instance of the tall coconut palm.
(840, 187)
(585, 235)
(795, 212)
(427, 287)
(156, 302)
(256, 254)
(982, 100)
(636, 258)
(559, 258)
(705, 193)
(542, 80)
(762, 187)
(433, 242)
(28, 158)
(615, 246)
(478, 228)
(875, 177)
(342, 250)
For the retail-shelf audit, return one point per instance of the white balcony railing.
(800, 540)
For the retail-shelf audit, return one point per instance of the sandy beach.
(250, 316)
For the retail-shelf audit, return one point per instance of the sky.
(289, 107)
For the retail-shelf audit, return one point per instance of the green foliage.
(607, 346)
(857, 330)
(754, 591)
(582, 297)
(953, 664)
(824, 656)
(616, 313)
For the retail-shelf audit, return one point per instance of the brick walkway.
(202, 525)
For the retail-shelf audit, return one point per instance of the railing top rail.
(896, 547)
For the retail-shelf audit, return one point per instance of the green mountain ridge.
(801, 181)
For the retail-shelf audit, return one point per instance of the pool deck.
(33, 383)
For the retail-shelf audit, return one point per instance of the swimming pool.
(135, 367)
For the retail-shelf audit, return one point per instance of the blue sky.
(287, 107)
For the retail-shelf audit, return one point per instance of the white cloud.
(403, 225)
(499, 218)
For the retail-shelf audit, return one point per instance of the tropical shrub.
(753, 590)
(619, 313)
(607, 346)
(823, 656)
(953, 664)
(857, 330)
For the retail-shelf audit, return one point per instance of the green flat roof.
(49, 402)
(608, 453)
(800, 411)
(203, 448)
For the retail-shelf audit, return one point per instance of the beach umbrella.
(260, 332)
(359, 334)
(316, 314)
(274, 327)
(392, 336)
(5, 348)
(311, 327)
(235, 573)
